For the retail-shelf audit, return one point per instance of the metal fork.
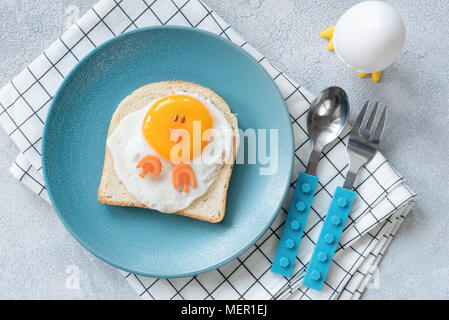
(362, 147)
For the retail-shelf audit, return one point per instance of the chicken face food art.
(181, 114)
(169, 153)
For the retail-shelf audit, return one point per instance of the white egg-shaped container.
(369, 36)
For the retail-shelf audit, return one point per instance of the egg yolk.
(173, 113)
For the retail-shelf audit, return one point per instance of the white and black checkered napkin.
(382, 202)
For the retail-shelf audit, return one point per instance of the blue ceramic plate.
(145, 241)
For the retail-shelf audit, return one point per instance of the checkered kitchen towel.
(382, 202)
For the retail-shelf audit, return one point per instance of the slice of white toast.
(211, 206)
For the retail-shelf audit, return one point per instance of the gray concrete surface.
(35, 249)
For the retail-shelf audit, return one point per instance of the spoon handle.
(328, 240)
(298, 212)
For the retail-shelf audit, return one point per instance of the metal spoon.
(326, 120)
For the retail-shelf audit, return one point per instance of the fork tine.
(380, 127)
(359, 120)
(369, 124)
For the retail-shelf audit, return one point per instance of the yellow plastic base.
(375, 76)
(329, 34)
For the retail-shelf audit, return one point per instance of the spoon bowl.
(327, 117)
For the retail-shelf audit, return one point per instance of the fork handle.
(298, 213)
(328, 240)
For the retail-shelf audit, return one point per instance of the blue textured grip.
(330, 235)
(294, 225)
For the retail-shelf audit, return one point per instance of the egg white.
(128, 146)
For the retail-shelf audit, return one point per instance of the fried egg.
(158, 150)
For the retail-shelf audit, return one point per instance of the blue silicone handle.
(298, 212)
(330, 235)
